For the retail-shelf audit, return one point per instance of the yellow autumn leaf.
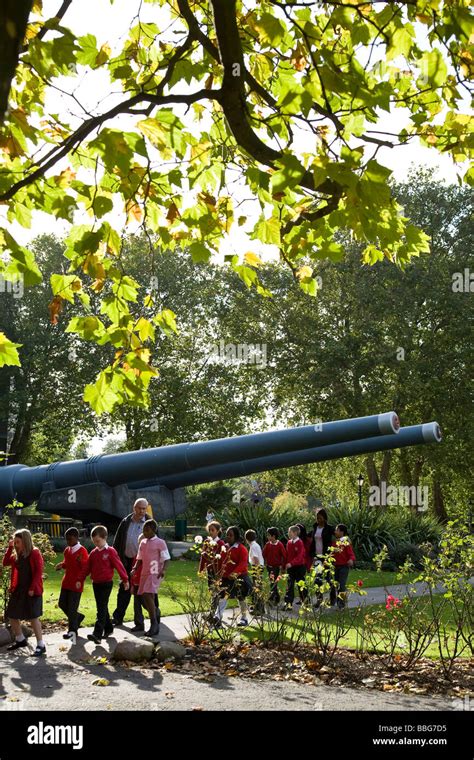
(134, 212)
(252, 259)
(143, 354)
(103, 55)
(66, 177)
(304, 272)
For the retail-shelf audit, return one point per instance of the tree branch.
(14, 16)
(232, 96)
(91, 124)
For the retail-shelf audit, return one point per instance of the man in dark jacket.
(126, 545)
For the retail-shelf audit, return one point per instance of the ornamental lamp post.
(360, 483)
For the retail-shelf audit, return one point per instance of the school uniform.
(75, 559)
(26, 576)
(308, 543)
(101, 565)
(256, 563)
(211, 559)
(235, 563)
(275, 559)
(342, 553)
(296, 558)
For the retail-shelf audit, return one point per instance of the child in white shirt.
(256, 563)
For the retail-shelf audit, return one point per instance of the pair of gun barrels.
(187, 464)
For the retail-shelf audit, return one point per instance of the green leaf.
(270, 29)
(127, 288)
(8, 352)
(267, 231)
(88, 52)
(433, 68)
(289, 176)
(89, 328)
(100, 395)
(22, 261)
(65, 285)
(199, 252)
(166, 321)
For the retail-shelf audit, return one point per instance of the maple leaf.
(55, 307)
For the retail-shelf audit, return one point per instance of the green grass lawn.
(352, 639)
(179, 573)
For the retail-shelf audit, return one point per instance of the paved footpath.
(63, 681)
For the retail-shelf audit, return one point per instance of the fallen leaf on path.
(100, 682)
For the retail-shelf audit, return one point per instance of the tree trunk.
(372, 473)
(385, 469)
(438, 501)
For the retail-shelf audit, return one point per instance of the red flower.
(392, 602)
(360, 583)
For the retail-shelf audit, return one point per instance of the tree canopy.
(208, 104)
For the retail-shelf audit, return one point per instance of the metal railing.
(53, 528)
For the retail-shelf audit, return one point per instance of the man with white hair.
(126, 544)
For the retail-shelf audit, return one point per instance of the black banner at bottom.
(120, 734)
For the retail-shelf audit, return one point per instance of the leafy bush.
(289, 509)
(199, 499)
(257, 517)
(403, 551)
(418, 528)
(371, 528)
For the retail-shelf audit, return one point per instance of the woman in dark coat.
(323, 535)
(26, 589)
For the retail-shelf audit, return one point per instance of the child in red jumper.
(236, 583)
(344, 557)
(213, 552)
(295, 565)
(211, 557)
(102, 562)
(274, 554)
(75, 558)
(26, 589)
(307, 541)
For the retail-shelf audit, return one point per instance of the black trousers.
(341, 574)
(103, 624)
(273, 573)
(69, 602)
(295, 574)
(123, 599)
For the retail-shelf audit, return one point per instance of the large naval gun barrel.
(412, 435)
(112, 471)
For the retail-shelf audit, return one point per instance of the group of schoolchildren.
(26, 586)
(235, 571)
